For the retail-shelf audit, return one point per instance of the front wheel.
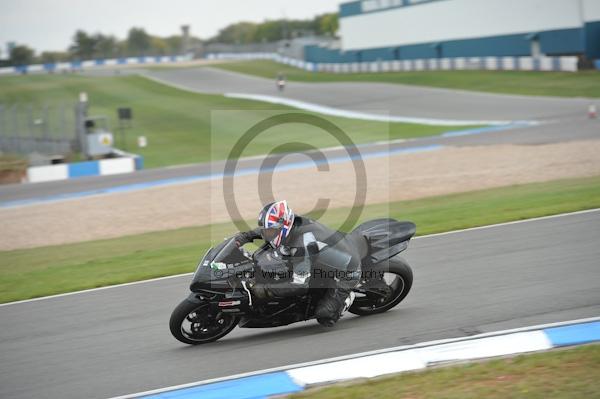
(382, 291)
(193, 323)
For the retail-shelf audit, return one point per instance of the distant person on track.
(309, 248)
(280, 81)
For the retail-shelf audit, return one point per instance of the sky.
(49, 25)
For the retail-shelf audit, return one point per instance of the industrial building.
(384, 30)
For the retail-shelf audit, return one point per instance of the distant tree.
(50, 57)
(270, 31)
(21, 55)
(105, 46)
(274, 30)
(159, 46)
(138, 41)
(174, 44)
(83, 46)
(238, 33)
(121, 49)
(327, 24)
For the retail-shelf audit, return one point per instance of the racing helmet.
(275, 222)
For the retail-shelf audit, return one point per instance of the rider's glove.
(244, 237)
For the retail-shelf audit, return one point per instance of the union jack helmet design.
(275, 222)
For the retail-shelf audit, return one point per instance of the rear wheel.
(193, 323)
(382, 291)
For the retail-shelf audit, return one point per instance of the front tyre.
(383, 292)
(192, 323)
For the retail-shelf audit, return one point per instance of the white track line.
(95, 289)
(415, 238)
(357, 355)
(326, 110)
(510, 223)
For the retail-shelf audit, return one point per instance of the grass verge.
(51, 270)
(560, 84)
(570, 373)
(178, 123)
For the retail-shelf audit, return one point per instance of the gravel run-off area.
(399, 177)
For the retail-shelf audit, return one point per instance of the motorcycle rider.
(280, 81)
(313, 251)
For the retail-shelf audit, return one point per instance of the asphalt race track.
(116, 341)
(561, 120)
(395, 99)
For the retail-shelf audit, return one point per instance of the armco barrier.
(103, 167)
(295, 378)
(94, 64)
(564, 64)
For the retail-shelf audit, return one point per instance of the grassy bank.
(561, 84)
(572, 373)
(50, 270)
(178, 123)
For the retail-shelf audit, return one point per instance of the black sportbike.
(220, 298)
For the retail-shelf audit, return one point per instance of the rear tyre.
(192, 323)
(398, 278)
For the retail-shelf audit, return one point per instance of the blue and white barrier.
(543, 63)
(290, 379)
(94, 64)
(103, 167)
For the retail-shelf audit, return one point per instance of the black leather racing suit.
(318, 256)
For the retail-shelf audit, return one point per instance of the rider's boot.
(331, 307)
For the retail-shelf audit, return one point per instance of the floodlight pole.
(122, 129)
(582, 23)
(80, 115)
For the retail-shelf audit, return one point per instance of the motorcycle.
(220, 299)
(280, 84)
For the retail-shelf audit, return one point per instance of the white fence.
(565, 64)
